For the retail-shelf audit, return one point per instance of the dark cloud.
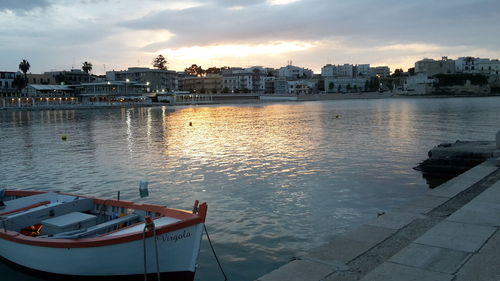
(22, 6)
(385, 21)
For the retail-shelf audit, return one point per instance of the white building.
(300, 87)
(363, 70)
(252, 79)
(477, 65)
(346, 70)
(294, 72)
(419, 84)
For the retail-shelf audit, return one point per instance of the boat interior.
(58, 216)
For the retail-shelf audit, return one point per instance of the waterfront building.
(431, 67)
(301, 87)
(294, 72)
(48, 91)
(159, 80)
(6, 80)
(280, 86)
(418, 84)
(252, 79)
(72, 77)
(270, 85)
(112, 91)
(212, 83)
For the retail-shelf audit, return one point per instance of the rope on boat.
(150, 226)
(213, 251)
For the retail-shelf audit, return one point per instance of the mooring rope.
(146, 228)
(213, 251)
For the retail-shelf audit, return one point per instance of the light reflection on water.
(279, 178)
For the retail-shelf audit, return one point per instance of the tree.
(348, 88)
(195, 70)
(411, 71)
(19, 82)
(339, 88)
(225, 90)
(331, 86)
(398, 72)
(160, 62)
(367, 86)
(355, 88)
(24, 66)
(87, 67)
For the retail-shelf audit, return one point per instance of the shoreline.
(315, 97)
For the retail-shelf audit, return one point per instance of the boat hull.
(177, 252)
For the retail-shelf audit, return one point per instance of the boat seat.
(97, 229)
(23, 202)
(19, 220)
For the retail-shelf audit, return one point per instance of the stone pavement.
(450, 233)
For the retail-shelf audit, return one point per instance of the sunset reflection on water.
(279, 179)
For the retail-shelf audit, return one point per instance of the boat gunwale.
(186, 218)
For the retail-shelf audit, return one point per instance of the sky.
(117, 34)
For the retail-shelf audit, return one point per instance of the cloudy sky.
(116, 34)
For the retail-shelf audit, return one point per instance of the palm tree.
(87, 67)
(24, 66)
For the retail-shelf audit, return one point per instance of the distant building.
(363, 70)
(48, 91)
(489, 67)
(346, 70)
(419, 84)
(301, 87)
(380, 71)
(212, 83)
(343, 84)
(72, 77)
(43, 79)
(6, 80)
(112, 91)
(432, 67)
(294, 72)
(158, 80)
(252, 79)
(270, 83)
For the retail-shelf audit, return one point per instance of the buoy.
(337, 116)
(64, 137)
(190, 123)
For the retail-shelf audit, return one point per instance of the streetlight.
(126, 85)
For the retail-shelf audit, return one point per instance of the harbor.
(281, 178)
(449, 233)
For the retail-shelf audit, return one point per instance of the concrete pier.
(450, 233)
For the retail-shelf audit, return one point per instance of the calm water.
(279, 178)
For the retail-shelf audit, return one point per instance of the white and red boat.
(71, 235)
